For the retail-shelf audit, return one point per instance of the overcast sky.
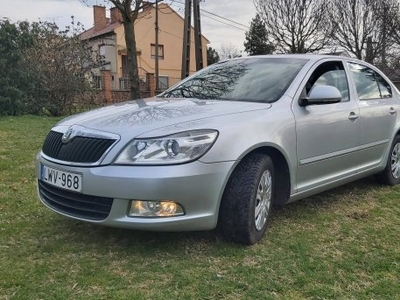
(219, 31)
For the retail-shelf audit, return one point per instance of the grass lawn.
(343, 244)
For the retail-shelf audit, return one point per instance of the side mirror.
(321, 94)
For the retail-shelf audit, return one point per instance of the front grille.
(80, 149)
(74, 204)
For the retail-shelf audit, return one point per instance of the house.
(107, 39)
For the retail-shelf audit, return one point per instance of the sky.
(221, 32)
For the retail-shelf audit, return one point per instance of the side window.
(369, 84)
(384, 86)
(330, 73)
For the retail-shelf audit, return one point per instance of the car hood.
(138, 117)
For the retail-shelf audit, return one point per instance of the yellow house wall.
(170, 36)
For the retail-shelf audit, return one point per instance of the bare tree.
(228, 51)
(295, 26)
(129, 10)
(211, 84)
(364, 27)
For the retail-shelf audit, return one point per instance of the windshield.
(254, 80)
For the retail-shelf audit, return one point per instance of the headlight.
(178, 148)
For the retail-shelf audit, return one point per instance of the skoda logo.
(68, 135)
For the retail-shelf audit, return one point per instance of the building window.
(160, 51)
(124, 83)
(102, 50)
(125, 65)
(97, 82)
(163, 82)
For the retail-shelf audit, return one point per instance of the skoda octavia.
(224, 145)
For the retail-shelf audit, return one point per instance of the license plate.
(62, 179)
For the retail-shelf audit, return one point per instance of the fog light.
(140, 208)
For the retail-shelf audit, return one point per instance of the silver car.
(220, 148)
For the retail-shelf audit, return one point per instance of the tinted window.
(330, 73)
(255, 79)
(369, 84)
(384, 86)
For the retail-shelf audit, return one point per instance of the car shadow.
(101, 238)
(127, 240)
(325, 200)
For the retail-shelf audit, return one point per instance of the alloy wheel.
(263, 200)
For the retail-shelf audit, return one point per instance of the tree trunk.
(132, 58)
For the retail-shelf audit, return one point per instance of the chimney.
(99, 16)
(115, 15)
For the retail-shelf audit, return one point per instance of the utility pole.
(156, 51)
(369, 52)
(186, 38)
(197, 35)
(384, 33)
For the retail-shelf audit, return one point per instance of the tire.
(247, 200)
(391, 174)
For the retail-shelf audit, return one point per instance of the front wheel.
(391, 174)
(246, 204)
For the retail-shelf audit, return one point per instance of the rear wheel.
(246, 204)
(391, 174)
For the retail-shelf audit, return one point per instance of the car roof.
(312, 57)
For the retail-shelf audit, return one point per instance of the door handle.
(392, 111)
(353, 116)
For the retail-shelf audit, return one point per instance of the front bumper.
(196, 186)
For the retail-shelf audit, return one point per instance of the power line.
(202, 10)
(218, 16)
(224, 23)
(85, 2)
(225, 18)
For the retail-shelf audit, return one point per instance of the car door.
(378, 112)
(327, 134)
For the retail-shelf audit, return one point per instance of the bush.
(42, 69)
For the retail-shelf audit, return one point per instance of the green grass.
(343, 244)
